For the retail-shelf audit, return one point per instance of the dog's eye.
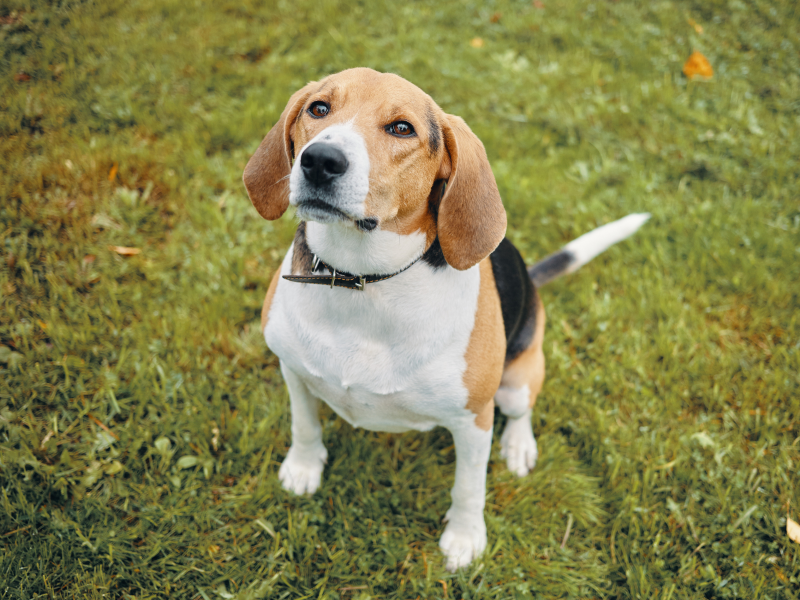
(319, 109)
(400, 129)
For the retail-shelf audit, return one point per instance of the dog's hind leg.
(522, 381)
(301, 471)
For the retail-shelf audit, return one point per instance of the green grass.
(142, 420)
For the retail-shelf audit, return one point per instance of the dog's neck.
(348, 249)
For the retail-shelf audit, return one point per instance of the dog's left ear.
(471, 220)
(266, 174)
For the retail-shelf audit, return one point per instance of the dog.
(400, 303)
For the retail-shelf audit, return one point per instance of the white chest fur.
(390, 358)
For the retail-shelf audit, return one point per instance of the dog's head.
(370, 150)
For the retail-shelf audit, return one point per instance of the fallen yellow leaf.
(697, 66)
(697, 27)
(125, 251)
(112, 174)
(476, 43)
(793, 529)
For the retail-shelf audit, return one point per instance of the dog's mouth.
(321, 211)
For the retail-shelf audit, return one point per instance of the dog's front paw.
(518, 446)
(301, 471)
(463, 540)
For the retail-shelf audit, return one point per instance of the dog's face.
(371, 151)
(368, 149)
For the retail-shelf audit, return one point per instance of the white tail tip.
(589, 245)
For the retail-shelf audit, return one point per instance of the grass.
(142, 420)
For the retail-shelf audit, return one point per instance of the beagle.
(400, 303)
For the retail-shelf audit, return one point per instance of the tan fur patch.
(420, 220)
(485, 419)
(472, 220)
(302, 257)
(528, 367)
(273, 285)
(266, 173)
(486, 350)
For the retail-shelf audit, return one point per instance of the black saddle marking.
(517, 298)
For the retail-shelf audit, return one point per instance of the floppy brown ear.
(471, 220)
(266, 174)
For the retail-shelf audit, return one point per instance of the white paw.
(463, 540)
(301, 471)
(518, 446)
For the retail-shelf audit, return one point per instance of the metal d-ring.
(333, 277)
(361, 284)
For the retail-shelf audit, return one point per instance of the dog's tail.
(583, 249)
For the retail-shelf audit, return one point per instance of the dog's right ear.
(266, 174)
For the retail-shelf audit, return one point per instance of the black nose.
(323, 163)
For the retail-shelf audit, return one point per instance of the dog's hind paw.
(301, 471)
(518, 446)
(462, 542)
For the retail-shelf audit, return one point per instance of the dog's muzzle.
(329, 181)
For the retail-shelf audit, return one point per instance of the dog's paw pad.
(301, 471)
(463, 543)
(518, 446)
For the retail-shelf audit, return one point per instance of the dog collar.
(348, 280)
(342, 279)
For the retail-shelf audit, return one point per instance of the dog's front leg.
(464, 538)
(301, 471)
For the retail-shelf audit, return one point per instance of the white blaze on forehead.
(348, 192)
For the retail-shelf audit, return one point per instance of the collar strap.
(342, 279)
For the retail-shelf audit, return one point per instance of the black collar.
(342, 279)
(433, 256)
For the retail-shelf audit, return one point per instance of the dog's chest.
(390, 358)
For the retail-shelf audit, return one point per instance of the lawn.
(143, 420)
